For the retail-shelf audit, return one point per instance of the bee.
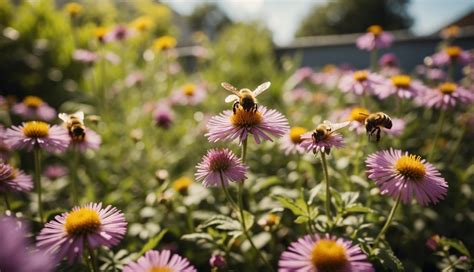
(245, 97)
(374, 122)
(75, 125)
(322, 131)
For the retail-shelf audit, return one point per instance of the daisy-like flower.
(389, 65)
(357, 116)
(299, 76)
(5, 149)
(33, 107)
(217, 163)
(262, 124)
(55, 171)
(87, 226)
(36, 133)
(143, 23)
(360, 82)
(160, 261)
(164, 43)
(450, 55)
(290, 143)
(403, 175)
(73, 9)
(401, 85)
(100, 33)
(189, 94)
(328, 76)
(163, 115)
(450, 32)
(14, 252)
(91, 140)
(318, 253)
(119, 33)
(375, 38)
(14, 180)
(445, 96)
(181, 185)
(323, 138)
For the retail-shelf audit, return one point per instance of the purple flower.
(398, 126)
(297, 95)
(401, 174)
(36, 133)
(323, 138)
(433, 242)
(219, 162)
(360, 82)
(134, 78)
(160, 261)
(290, 143)
(85, 56)
(299, 76)
(91, 225)
(189, 94)
(323, 253)
(401, 85)
(14, 253)
(217, 260)
(5, 149)
(119, 33)
(112, 58)
(451, 54)
(14, 180)
(328, 76)
(445, 96)
(33, 107)
(91, 140)
(55, 171)
(375, 38)
(163, 115)
(388, 59)
(262, 124)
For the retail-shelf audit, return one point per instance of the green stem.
(93, 258)
(457, 144)
(373, 60)
(37, 176)
(243, 154)
(438, 133)
(328, 191)
(451, 71)
(227, 194)
(357, 151)
(7, 204)
(389, 219)
(74, 177)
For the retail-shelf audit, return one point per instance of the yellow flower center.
(182, 184)
(161, 269)
(36, 129)
(100, 32)
(448, 87)
(453, 51)
(361, 75)
(329, 68)
(328, 255)
(82, 221)
(164, 43)
(73, 9)
(358, 114)
(32, 101)
(189, 89)
(295, 134)
(143, 23)
(375, 29)
(411, 167)
(401, 81)
(243, 118)
(272, 219)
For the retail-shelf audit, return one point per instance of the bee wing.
(79, 115)
(64, 117)
(230, 88)
(231, 98)
(261, 88)
(336, 126)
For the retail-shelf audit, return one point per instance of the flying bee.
(324, 130)
(374, 122)
(75, 124)
(245, 97)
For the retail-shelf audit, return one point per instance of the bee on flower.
(324, 137)
(82, 138)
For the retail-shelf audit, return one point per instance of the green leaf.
(290, 204)
(153, 242)
(249, 220)
(221, 222)
(357, 208)
(301, 219)
(389, 260)
(456, 244)
(314, 192)
(197, 236)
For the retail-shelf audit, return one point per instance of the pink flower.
(38, 134)
(451, 54)
(445, 96)
(189, 94)
(403, 175)
(323, 253)
(14, 180)
(33, 107)
(160, 261)
(219, 163)
(163, 115)
(90, 225)
(360, 82)
(55, 171)
(375, 38)
(299, 76)
(291, 142)
(323, 138)
(91, 140)
(85, 56)
(262, 124)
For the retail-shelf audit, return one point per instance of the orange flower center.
(375, 29)
(100, 32)
(73, 9)
(245, 119)
(161, 269)
(36, 129)
(401, 81)
(453, 51)
(32, 101)
(411, 167)
(329, 68)
(164, 43)
(82, 221)
(361, 75)
(328, 255)
(182, 184)
(295, 134)
(448, 87)
(143, 23)
(189, 89)
(358, 114)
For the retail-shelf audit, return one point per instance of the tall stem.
(438, 133)
(93, 258)
(389, 219)
(37, 158)
(328, 191)
(457, 144)
(74, 177)
(226, 192)
(373, 60)
(7, 204)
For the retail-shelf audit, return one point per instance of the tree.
(352, 16)
(208, 18)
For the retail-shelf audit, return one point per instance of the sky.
(283, 17)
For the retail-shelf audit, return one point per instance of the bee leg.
(255, 107)
(378, 134)
(235, 106)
